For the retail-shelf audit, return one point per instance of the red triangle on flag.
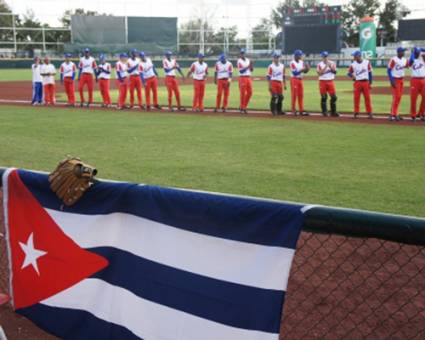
(44, 260)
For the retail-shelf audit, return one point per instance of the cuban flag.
(133, 261)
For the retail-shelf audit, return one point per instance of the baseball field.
(335, 162)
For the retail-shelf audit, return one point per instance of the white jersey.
(87, 65)
(276, 72)
(68, 69)
(329, 69)
(169, 66)
(134, 63)
(36, 76)
(199, 71)
(361, 70)
(147, 68)
(244, 67)
(121, 69)
(297, 66)
(225, 70)
(48, 69)
(397, 66)
(418, 67)
(105, 67)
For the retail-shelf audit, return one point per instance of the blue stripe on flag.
(234, 218)
(223, 302)
(74, 324)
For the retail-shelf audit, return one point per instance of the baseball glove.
(71, 179)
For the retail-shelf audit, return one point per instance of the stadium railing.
(356, 274)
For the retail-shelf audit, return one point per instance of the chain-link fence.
(339, 288)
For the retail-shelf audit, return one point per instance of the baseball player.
(149, 76)
(199, 72)
(37, 83)
(86, 67)
(67, 73)
(417, 82)
(395, 71)
(326, 69)
(48, 72)
(121, 68)
(223, 78)
(360, 71)
(298, 68)
(276, 79)
(135, 80)
(103, 73)
(170, 66)
(245, 68)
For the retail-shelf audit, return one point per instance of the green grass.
(375, 167)
(381, 103)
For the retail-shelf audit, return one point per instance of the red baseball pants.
(223, 91)
(397, 92)
(327, 86)
(104, 91)
(198, 94)
(245, 91)
(360, 87)
(136, 84)
(86, 79)
(151, 85)
(172, 86)
(49, 94)
(297, 94)
(277, 87)
(68, 84)
(417, 87)
(122, 90)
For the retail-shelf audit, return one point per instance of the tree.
(260, 34)
(279, 13)
(392, 11)
(225, 37)
(352, 13)
(190, 36)
(66, 17)
(6, 21)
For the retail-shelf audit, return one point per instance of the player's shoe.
(82, 104)
(324, 114)
(88, 105)
(215, 110)
(305, 114)
(143, 107)
(370, 115)
(181, 108)
(398, 118)
(423, 118)
(171, 109)
(223, 109)
(295, 113)
(413, 119)
(356, 115)
(157, 107)
(335, 114)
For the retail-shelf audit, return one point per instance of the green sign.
(368, 38)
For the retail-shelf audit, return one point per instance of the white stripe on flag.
(243, 263)
(146, 319)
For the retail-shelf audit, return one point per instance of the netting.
(339, 288)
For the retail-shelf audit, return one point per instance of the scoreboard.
(312, 29)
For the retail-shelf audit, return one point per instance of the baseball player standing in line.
(87, 67)
(149, 75)
(395, 71)
(199, 72)
(298, 67)
(360, 71)
(48, 72)
(276, 79)
(67, 73)
(170, 66)
(245, 68)
(135, 80)
(223, 78)
(37, 83)
(417, 82)
(104, 75)
(121, 68)
(326, 70)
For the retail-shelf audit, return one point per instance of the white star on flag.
(31, 254)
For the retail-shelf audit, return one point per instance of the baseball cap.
(401, 49)
(276, 55)
(222, 56)
(201, 55)
(298, 52)
(324, 54)
(86, 50)
(356, 53)
(168, 53)
(133, 51)
(242, 51)
(123, 55)
(102, 57)
(68, 55)
(142, 54)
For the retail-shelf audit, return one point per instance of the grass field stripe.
(216, 257)
(152, 321)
